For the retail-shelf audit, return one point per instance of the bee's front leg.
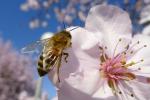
(70, 44)
(66, 56)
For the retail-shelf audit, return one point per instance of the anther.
(131, 52)
(139, 68)
(132, 46)
(145, 45)
(120, 92)
(127, 47)
(132, 95)
(116, 46)
(100, 69)
(124, 53)
(120, 39)
(142, 60)
(101, 48)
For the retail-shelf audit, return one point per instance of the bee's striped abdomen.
(47, 62)
(40, 68)
(51, 60)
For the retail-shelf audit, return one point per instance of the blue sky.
(14, 27)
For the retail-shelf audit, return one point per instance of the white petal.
(81, 38)
(55, 98)
(85, 81)
(144, 52)
(140, 90)
(104, 92)
(69, 93)
(144, 71)
(79, 86)
(108, 19)
(146, 30)
(141, 54)
(113, 43)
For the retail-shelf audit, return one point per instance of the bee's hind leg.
(66, 56)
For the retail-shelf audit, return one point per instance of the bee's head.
(67, 34)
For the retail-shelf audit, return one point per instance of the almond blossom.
(105, 61)
(123, 60)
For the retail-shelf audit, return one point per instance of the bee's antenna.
(74, 28)
(61, 6)
(64, 25)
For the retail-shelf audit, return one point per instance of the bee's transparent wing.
(35, 47)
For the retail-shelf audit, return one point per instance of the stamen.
(126, 91)
(138, 42)
(116, 47)
(120, 74)
(135, 51)
(103, 56)
(139, 68)
(129, 64)
(120, 92)
(129, 48)
(132, 95)
(145, 45)
(132, 63)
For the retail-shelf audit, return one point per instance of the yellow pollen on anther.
(129, 64)
(131, 52)
(145, 45)
(120, 39)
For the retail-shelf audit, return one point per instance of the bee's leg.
(58, 69)
(66, 56)
(70, 44)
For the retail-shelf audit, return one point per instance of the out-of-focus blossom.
(145, 17)
(68, 19)
(146, 1)
(146, 30)
(25, 96)
(66, 12)
(55, 98)
(44, 24)
(33, 4)
(24, 7)
(108, 65)
(34, 23)
(15, 73)
(82, 16)
(69, 11)
(30, 4)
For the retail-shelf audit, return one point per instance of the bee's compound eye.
(68, 34)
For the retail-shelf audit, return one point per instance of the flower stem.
(38, 89)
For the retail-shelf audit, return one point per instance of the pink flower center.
(115, 69)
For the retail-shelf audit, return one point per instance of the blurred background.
(24, 21)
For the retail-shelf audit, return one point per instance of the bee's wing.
(36, 46)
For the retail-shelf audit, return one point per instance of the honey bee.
(51, 52)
